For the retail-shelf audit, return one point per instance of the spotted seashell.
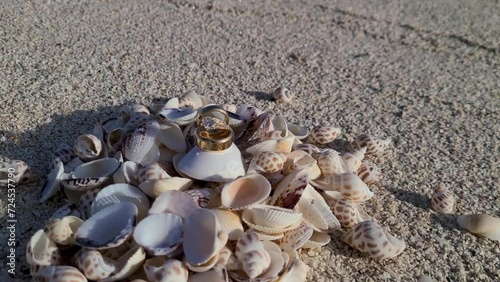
(151, 172)
(374, 146)
(348, 213)
(158, 269)
(88, 147)
(93, 264)
(252, 255)
(85, 203)
(62, 231)
(294, 239)
(369, 173)
(63, 153)
(41, 250)
(138, 142)
(330, 163)
(325, 134)
(282, 95)
(352, 187)
(16, 171)
(230, 107)
(481, 224)
(135, 122)
(298, 160)
(353, 160)
(57, 273)
(288, 192)
(267, 162)
(373, 241)
(442, 200)
(308, 148)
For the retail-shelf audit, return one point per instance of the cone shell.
(325, 134)
(481, 224)
(267, 162)
(41, 250)
(138, 142)
(93, 264)
(348, 213)
(62, 231)
(282, 95)
(373, 241)
(374, 146)
(369, 173)
(159, 270)
(245, 192)
(88, 147)
(442, 200)
(252, 254)
(230, 222)
(289, 190)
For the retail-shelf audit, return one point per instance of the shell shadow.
(418, 200)
(337, 247)
(259, 95)
(447, 221)
(340, 145)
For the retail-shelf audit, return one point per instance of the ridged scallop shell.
(442, 200)
(166, 237)
(160, 270)
(172, 137)
(308, 148)
(108, 228)
(135, 122)
(352, 187)
(119, 193)
(127, 264)
(175, 202)
(151, 172)
(62, 231)
(53, 182)
(88, 147)
(298, 160)
(294, 239)
(283, 145)
(330, 162)
(138, 142)
(317, 240)
(93, 264)
(203, 237)
(348, 213)
(267, 162)
(369, 173)
(57, 273)
(353, 160)
(249, 219)
(481, 224)
(154, 188)
(245, 192)
(98, 168)
(325, 134)
(41, 250)
(178, 116)
(282, 95)
(263, 236)
(290, 189)
(126, 173)
(316, 211)
(230, 222)
(374, 146)
(295, 272)
(266, 215)
(252, 254)
(21, 173)
(373, 241)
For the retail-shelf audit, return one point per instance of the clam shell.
(267, 162)
(348, 213)
(245, 192)
(172, 137)
(296, 271)
(166, 155)
(230, 222)
(151, 172)
(317, 240)
(217, 274)
(266, 215)
(88, 147)
(155, 188)
(159, 270)
(111, 124)
(283, 145)
(203, 237)
(289, 190)
(201, 196)
(152, 156)
(325, 134)
(98, 168)
(316, 211)
(93, 264)
(126, 173)
(249, 218)
(41, 250)
(108, 228)
(65, 210)
(62, 231)
(117, 193)
(282, 95)
(139, 142)
(268, 236)
(137, 109)
(369, 173)
(296, 238)
(52, 184)
(481, 224)
(178, 116)
(277, 262)
(374, 145)
(251, 253)
(127, 264)
(442, 200)
(175, 202)
(166, 237)
(373, 241)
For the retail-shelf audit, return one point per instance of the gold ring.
(209, 109)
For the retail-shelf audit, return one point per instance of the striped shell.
(353, 188)
(200, 196)
(374, 146)
(267, 162)
(442, 200)
(373, 241)
(369, 173)
(230, 222)
(251, 253)
(348, 213)
(325, 134)
(330, 162)
(151, 172)
(138, 142)
(294, 239)
(290, 189)
(282, 95)
(63, 153)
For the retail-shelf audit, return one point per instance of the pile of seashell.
(146, 203)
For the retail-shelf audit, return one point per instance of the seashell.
(295, 272)
(352, 187)
(154, 188)
(63, 153)
(267, 162)
(331, 163)
(65, 210)
(127, 264)
(52, 184)
(159, 270)
(268, 236)
(152, 156)
(249, 218)
(180, 117)
(248, 112)
(373, 241)
(98, 168)
(325, 134)
(274, 177)
(217, 274)
(230, 107)
(135, 122)
(139, 142)
(118, 251)
(374, 146)
(175, 202)
(87, 147)
(108, 228)
(166, 155)
(15, 172)
(135, 110)
(481, 224)
(283, 145)
(126, 173)
(266, 215)
(308, 148)
(166, 237)
(62, 231)
(317, 240)
(72, 165)
(298, 160)
(289, 190)
(83, 184)
(316, 211)
(111, 124)
(59, 273)
(115, 138)
(256, 130)
(252, 254)
(203, 237)
(245, 192)
(41, 250)
(442, 200)
(172, 137)
(119, 193)
(369, 173)
(201, 196)
(282, 95)
(191, 99)
(294, 239)
(225, 255)
(353, 160)
(300, 132)
(93, 264)
(85, 203)
(348, 213)
(203, 267)
(230, 222)
(150, 172)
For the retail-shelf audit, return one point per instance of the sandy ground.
(425, 73)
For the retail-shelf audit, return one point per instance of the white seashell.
(93, 264)
(282, 95)
(331, 163)
(316, 211)
(248, 112)
(481, 224)
(72, 165)
(120, 193)
(294, 239)
(353, 160)
(369, 173)
(373, 241)
(249, 219)
(230, 222)
(348, 213)
(217, 274)
(308, 148)
(252, 254)
(166, 155)
(111, 124)
(203, 267)
(317, 240)
(298, 131)
(16, 172)
(298, 160)
(167, 235)
(374, 146)
(201, 196)
(88, 147)
(108, 228)
(98, 168)
(118, 251)
(325, 134)
(139, 142)
(295, 272)
(85, 203)
(267, 162)
(289, 190)
(127, 264)
(151, 172)
(175, 202)
(159, 270)
(442, 200)
(268, 236)
(136, 109)
(115, 138)
(203, 237)
(154, 188)
(135, 122)
(126, 173)
(83, 184)
(57, 273)
(152, 156)
(245, 192)
(171, 136)
(178, 116)
(52, 184)
(266, 215)
(41, 250)
(62, 231)
(283, 145)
